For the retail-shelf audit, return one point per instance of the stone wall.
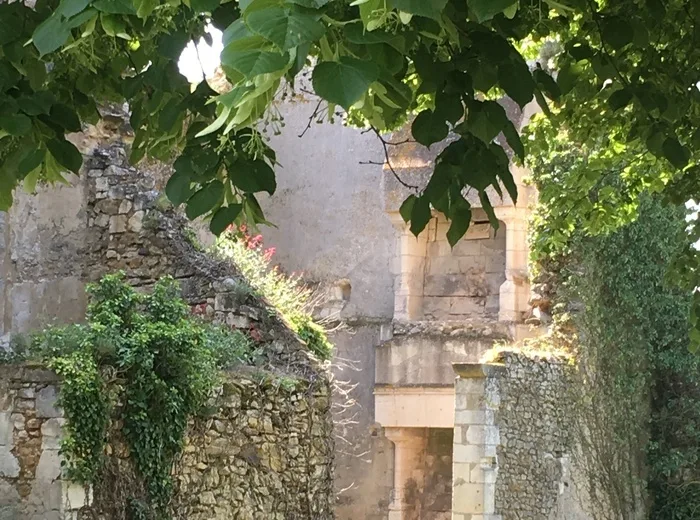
(464, 281)
(266, 454)
(512, 441)
(31, 487)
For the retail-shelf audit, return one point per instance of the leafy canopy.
(626, 81)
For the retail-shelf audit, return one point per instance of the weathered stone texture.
(267, 453)
(513, 440)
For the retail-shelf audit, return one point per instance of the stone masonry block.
(6, 427)
(9, 466)
(468, 498)
(467, 453)
(467, 417)
(46, 402)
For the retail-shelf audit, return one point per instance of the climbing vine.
(143, 361)
(635, 402)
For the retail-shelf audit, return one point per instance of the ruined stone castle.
(426, 430)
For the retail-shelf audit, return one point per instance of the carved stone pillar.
(409, 267)
(515, 291)
(409, 454)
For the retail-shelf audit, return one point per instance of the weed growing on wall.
(141, 360)
(287, 294)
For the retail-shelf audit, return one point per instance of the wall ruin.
(513, 442)
(266, 453)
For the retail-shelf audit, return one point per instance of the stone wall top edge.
(479, 370)
(29, 372)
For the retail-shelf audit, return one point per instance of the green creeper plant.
(143, 361)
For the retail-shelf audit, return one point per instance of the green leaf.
(567, 77)
(253, 176)
(420, 215)
(66, 154)
(204, 199)
(253, 62)
(114, 6)
(65, 117)
(224, 217)
(286, 27)
(407, 208)
(427, 8)
(547, 84)
(30, 162)
(617, 32)
(516, 80)
(344, 82)
(514, 141)
(204, 6)
(677, 154)
(486, 9)
(461, 217)
(178, 188)
(619, 99)
(488, 208)
(16, 124)
(50, 35)
(429, 127)
(449, 106)
(486, 120)
(145, 8)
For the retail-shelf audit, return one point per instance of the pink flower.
(269, 252)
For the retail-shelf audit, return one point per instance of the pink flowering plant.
(290, 296)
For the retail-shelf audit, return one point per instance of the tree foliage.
(621, 84)
(625, 79)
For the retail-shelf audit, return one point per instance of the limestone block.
(46, 402)
(49, 467)
(468, 497)
(75, 496)
(467, 417)
(136, 221)
(6, 427)
(467, 453)
(117, 223)
(9, 466)
(51, 433)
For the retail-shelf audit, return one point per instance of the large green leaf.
(677, 154)
(286, 27)
(66, 117)
(16, 124)
(516, 80)
(461, 217)
(253, 176)
(617, 32)
(253, 62)
(344, 82)
(51, 35)
(420, 215)
(428, 8)
(407, 208)
(429, 127)
(486, 120)
(178, 188)
(205, 199)
(224, 217)
(114, 6)
(487, 9)
(66, 154)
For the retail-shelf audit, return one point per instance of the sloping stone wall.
(513, 442)
(266, 453)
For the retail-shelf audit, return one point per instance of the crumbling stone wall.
(513, 440)
(266, 453)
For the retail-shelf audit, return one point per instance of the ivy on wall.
(141, 361)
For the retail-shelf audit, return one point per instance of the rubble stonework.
(267, 450)
(512, 441)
